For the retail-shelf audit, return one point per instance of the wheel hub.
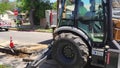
(68, 52)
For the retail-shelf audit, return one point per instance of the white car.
(5, 24)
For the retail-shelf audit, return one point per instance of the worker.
(17, 23)
(81, 15)
(69, 8)
(70, 2)
(93, 15)
(81, 9)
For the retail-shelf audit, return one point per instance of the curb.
(15, 29)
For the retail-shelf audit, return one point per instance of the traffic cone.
(11, 43)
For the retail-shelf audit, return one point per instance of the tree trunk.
(31, 17)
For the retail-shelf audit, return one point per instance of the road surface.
(26, 37)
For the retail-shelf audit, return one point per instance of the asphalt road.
(26, 37)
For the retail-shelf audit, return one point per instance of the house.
(49, 20)
(8, 16)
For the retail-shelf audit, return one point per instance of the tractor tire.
(70, 51)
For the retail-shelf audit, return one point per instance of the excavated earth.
(19, 56)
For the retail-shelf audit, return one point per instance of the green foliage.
(38, 5)
(41, 11)
(54, 6)
(4, 6)
(23, 5)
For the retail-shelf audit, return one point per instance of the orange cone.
(11, 43)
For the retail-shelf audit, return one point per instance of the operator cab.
(85, 15)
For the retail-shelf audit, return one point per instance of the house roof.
(9, 12)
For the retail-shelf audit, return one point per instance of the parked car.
(5, 24)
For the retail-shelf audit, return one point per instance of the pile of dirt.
(10, 61)
(21, 57)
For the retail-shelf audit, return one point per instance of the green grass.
(37, 29)
(44, 30)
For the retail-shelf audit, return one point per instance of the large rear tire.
(70, 51)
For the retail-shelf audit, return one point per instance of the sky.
(53, 0)
(50, 0)
(11, 0)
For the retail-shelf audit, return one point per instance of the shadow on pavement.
(54, 64)
(45, 42)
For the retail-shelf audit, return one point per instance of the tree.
(36, 9)
(4, 6)
(54, 6)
